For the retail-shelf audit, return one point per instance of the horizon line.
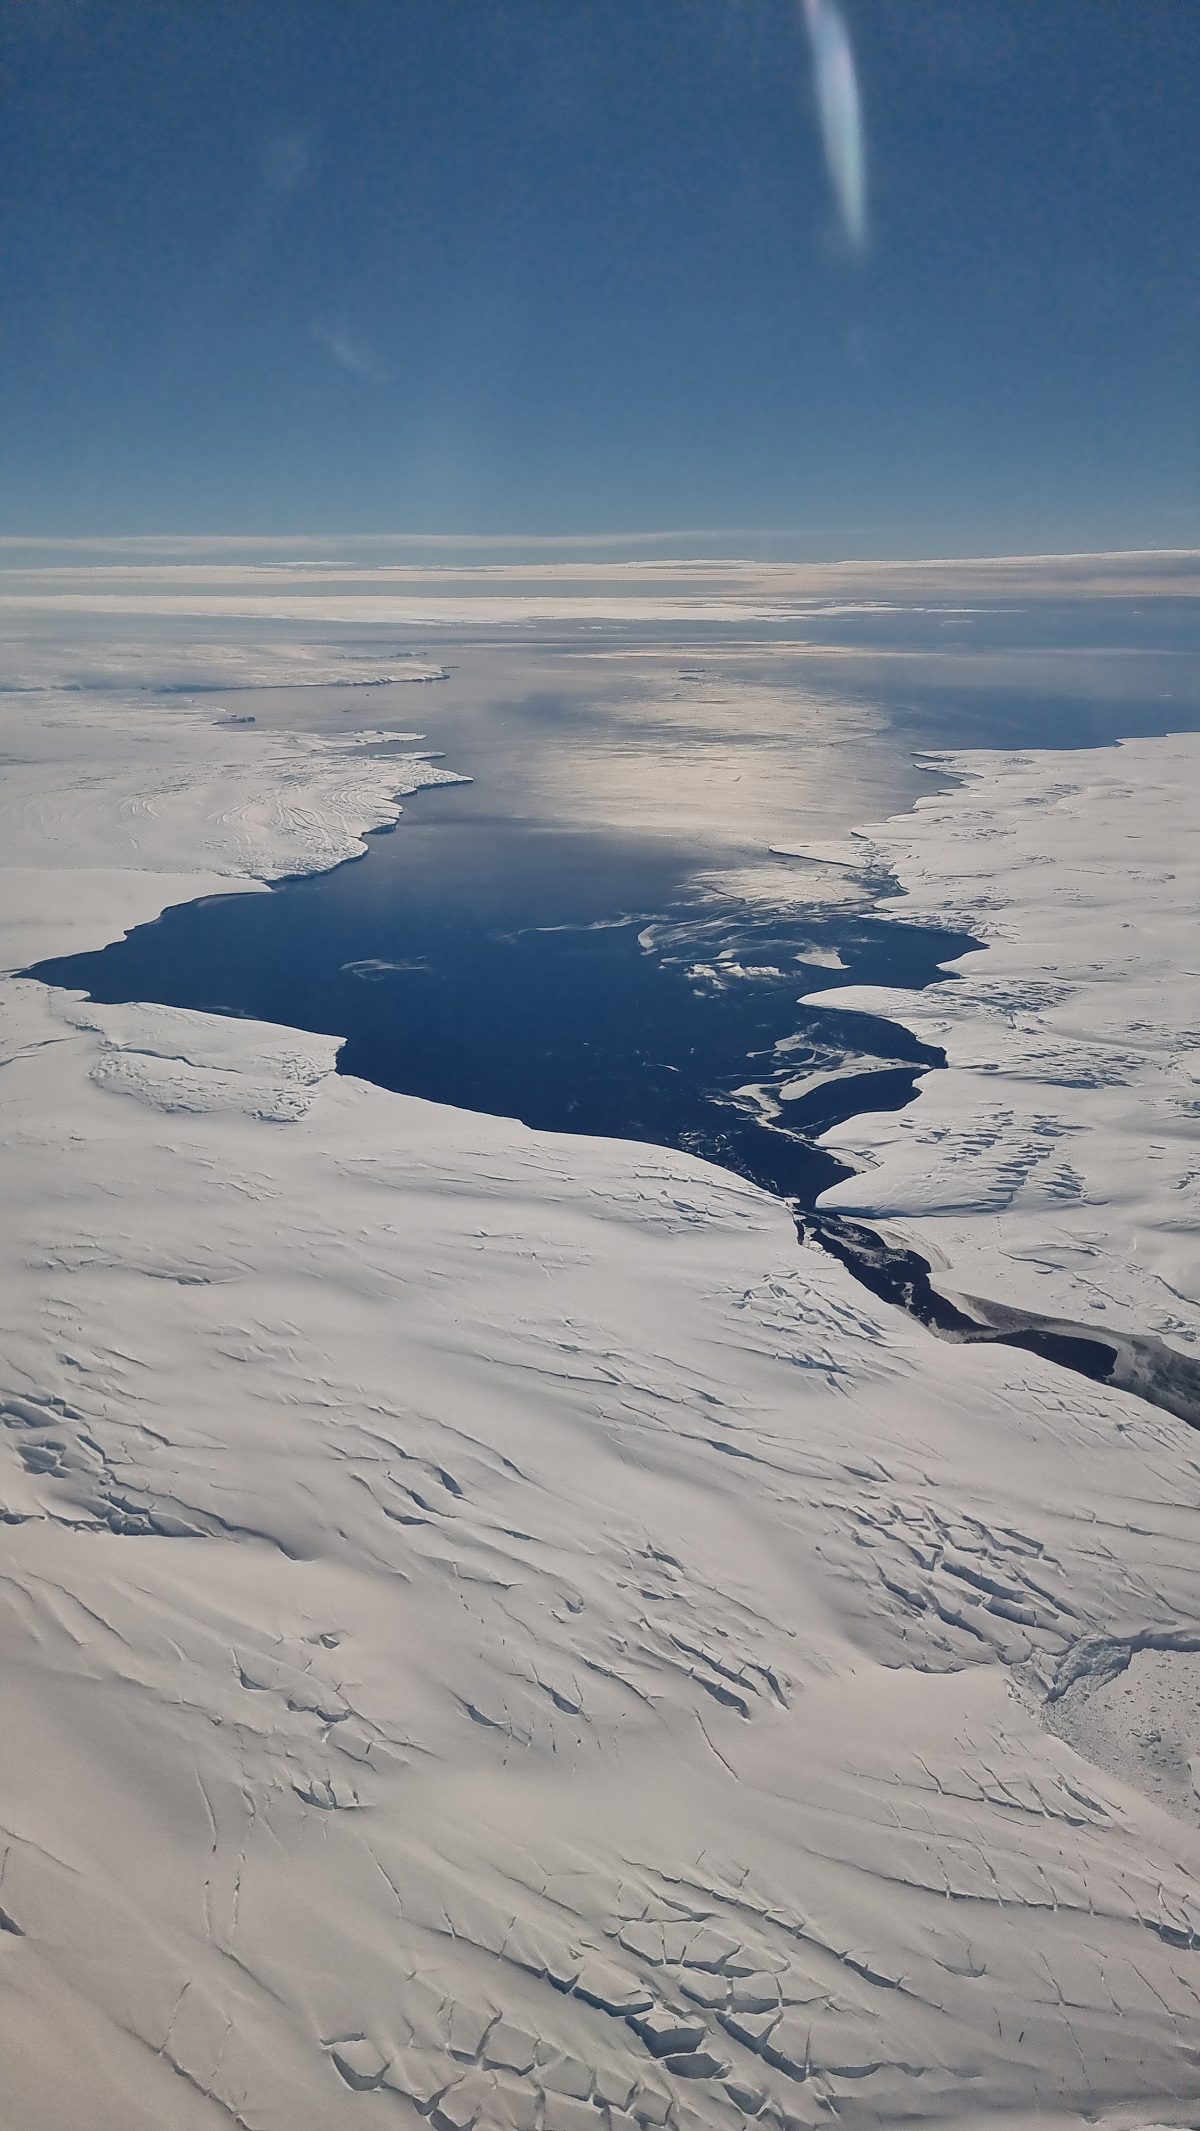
(194, 543)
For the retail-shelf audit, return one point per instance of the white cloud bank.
(215, 579)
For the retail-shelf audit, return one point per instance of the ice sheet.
(493, 1636)
(1055, 1165)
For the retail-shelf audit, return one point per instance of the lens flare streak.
(840, 110)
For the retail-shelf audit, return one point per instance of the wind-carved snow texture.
(492, 1639)
(1054, 1165)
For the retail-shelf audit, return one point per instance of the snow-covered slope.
(1055, 1165)
(493, 1636)
(111, 809)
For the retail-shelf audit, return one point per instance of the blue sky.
(571, 266)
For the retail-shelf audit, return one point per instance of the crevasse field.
(494, 1633)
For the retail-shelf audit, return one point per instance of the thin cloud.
(353, 353)
(186, 545)
(286, 162)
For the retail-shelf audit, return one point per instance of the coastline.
(1054, 1165)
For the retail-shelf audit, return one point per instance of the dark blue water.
(575, 982)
